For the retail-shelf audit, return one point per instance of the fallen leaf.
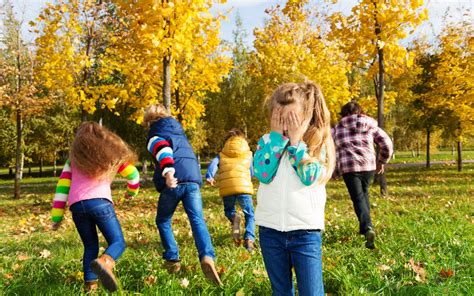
(45, 254)
(8, 276)
(419, 269)
(446, 273)
(150, 280)
(23, 257)
(383, 267)
(240, 292)
(184, 283)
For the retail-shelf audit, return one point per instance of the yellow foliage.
(290, 48)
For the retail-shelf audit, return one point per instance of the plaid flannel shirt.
(354, 137)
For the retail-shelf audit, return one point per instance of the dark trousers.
(358, 184)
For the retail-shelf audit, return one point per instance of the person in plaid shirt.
(354, 137)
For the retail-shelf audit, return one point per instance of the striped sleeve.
(62, 192)
(162, 152)
(130, 172)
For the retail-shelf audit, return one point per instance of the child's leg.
(107, 221)
(229, 206)
(167, 204)
(88, 233)
(361, 206)
(192, 203)
(277, 260)
(246, 203)
(305, 249)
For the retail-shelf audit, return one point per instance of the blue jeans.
(300, 249)
(87, 214)
(246, 203)
(190, 195)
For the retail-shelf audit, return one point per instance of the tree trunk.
(41, 167)
(417, 149)
(19, 152)
(29, 169)
(178, 106)
(10, 172)
(428, 133)
(54, 163)
(144, 172)
(380, 100)
(167, 82)
(459, 156)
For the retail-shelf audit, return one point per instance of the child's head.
(351, 108)
(97, 152)
(307, 101)
(235, 132)
(154, 113)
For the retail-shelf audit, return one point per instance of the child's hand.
(171, 181)
(211, 181)
(277, 123)
(296, 128)
(55, 226)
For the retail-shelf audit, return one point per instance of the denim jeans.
(300, 249)
(190, 195)
(87, 214)
(358, 184)
(246, 204)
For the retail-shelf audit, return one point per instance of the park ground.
(424, 245)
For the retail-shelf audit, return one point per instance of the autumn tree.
(168, 47)
(293, 46)
(72, 40)
(239, 103)
(17, 90)
(454, 77)
(371, 36)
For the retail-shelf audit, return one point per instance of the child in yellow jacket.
(235, 172)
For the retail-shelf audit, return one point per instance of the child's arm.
(130, 172)
(163, 153)
(212, 169)
(308, 172)
(267, 157)
(62, 192)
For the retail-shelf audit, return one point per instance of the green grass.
(427, 218)
(444, 156)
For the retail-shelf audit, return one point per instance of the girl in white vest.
(293, 164)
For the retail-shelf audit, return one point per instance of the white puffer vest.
(286, 204)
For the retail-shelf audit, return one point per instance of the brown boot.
(172, 266)
(207, 266)
(91, 286)
(249, 245)
(102, 267)
(236, 228)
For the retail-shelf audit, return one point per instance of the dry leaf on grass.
(45, 254)
(184, 283)
(446, 273)
(419, 269)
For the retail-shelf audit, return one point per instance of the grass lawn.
(425, 231)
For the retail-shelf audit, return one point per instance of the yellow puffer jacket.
(234, 168)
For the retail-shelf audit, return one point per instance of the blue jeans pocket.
(103, 213)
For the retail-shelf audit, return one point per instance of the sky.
(252, 13)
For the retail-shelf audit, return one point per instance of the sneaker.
(370, 239)
(172, 266)
(249, 245)
(207, 266)
(236, 228)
